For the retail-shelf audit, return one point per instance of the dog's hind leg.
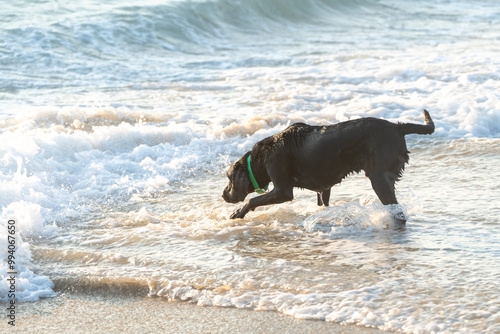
(383, 184)
(324, 197)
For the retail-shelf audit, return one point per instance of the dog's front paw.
(238, 214)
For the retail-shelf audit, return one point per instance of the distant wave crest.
(181, 26)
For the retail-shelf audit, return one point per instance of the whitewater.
(119, 120)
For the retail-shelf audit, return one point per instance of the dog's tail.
(427, 129)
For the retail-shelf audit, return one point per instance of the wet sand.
(76, 313)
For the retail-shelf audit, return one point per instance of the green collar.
(258, 189)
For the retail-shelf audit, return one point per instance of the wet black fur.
(318, 157)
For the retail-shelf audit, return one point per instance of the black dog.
(318, 157)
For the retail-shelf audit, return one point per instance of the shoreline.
(81, 313)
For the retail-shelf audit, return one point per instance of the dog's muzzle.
(227, 197)
(231, 197)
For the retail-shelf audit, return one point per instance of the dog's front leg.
(276, 196)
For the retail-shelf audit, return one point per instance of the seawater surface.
(119, 119)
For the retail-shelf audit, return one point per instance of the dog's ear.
(237, 169)
(242, 181)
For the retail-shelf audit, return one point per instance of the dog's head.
(239, 185)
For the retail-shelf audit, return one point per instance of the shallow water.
(119, 120)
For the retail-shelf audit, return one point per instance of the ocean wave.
(182, 26)
(110, 45)
(29, 284)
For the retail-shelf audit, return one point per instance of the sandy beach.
(103, 314)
